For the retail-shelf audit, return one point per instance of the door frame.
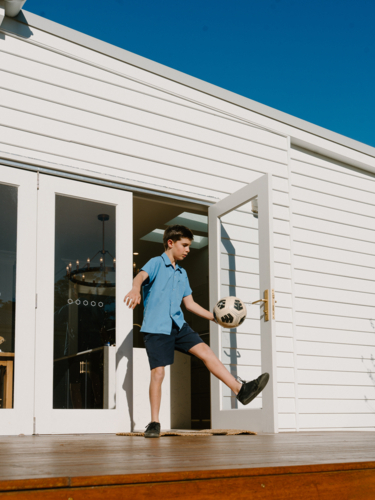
(19, 419)
(266, 418)
(66, 421)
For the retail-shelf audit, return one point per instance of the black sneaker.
(250, 390)
(152, 430)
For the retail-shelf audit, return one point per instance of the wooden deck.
(324, 465)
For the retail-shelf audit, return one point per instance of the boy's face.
(180, 249)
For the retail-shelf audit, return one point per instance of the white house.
(100, 149)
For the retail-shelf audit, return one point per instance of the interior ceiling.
(149, 215)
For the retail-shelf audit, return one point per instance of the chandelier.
(94, 276)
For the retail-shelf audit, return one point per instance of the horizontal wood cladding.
(93, 117)
(148, 127)
(252, 341)
(251, 357)
(112, 151)
(351, 338)
(325, 181)
(336, 242)
(120, 139)
(336, 392)
(75, 59)
(335, 170)
(347, 205)
(332, 281)
(333, 421)
(334, 363)
(334, 248)
(328, 322)
(250, 250)
(247, 280)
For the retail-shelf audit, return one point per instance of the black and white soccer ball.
(230, 312)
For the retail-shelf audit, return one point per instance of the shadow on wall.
(125, 350)
(233, 354)
(370, 369)
(20, 28)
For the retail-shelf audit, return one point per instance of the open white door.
(84, 339)
(18, 200)
(241, 265)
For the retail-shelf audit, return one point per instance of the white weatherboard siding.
(86, 113)
(76, 114)
(334, 272)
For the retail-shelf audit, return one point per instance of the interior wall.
(185, 380)
(196, 266)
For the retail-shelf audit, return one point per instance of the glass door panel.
(85, 303)
(8, 260)
(18, 193)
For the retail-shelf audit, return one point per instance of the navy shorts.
(160, 347)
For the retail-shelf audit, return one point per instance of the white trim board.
(43, 167)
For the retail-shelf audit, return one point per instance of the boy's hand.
(132, 299)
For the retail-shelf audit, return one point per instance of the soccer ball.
(230, 312)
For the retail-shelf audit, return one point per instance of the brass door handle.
(266, 305)
(260, 300)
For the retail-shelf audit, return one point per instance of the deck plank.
(54, 465)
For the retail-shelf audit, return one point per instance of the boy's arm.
(195, 308)
(133, 298)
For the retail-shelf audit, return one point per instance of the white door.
(241, 265)
(17, 299)
(84, 337)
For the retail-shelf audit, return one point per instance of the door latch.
(265, 300)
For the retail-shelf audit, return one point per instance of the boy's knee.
(158, 373)
(205, 352)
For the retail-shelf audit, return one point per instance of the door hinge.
(37, 181)
(36, 301)
(34, 425)
(273, 303)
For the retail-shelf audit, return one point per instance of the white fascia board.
(292, 125)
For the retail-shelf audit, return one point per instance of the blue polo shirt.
(163, 292)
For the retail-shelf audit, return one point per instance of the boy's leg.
(245, 392)
(157, 377)
(215, 366)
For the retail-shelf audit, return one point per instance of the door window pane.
(85, 305)
(8, 247)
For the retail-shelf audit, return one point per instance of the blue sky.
(312, 59)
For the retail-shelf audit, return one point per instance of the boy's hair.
(176, 233)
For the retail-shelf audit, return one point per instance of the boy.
(165, 285)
